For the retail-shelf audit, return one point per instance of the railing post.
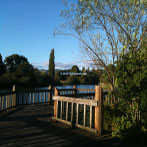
(55, 103)
(14, 96)
(98, 109)
(34, 99)
(0, 103)
(50, 94)
(75, 90)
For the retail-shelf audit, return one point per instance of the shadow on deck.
(32, 126)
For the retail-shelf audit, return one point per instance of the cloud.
(43, 65)
(65, 65)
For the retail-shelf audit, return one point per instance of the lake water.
(69, 86)
(59, 87)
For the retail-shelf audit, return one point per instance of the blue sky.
(26, 28)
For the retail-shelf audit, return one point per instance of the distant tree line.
(16, 69)
(91, 76)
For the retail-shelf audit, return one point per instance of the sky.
(26, 28)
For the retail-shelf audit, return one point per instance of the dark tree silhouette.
(13, 61)
(52, 66)
(2, 66)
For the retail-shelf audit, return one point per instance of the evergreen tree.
(2, 66)
(52, 66)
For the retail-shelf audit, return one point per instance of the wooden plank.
(56, 92)
(86, 128)
(77, 125)
(66, 111)
(41, 97)
(98, 109)
(57, 110)
(90, 116)
(76, 100)
(77, 117)
(61, 110)
(44, 97)
(55, 107)
(81, 89)
(50, 94)
(71, 112)
(48, 98)
(14, 95)
(10, 100)
(0, 102)
(61, 120)
(7, 93)
(84, 115)
(70, 89)
(79, 94)
(22, 97)
(38, 97)
(26, 98)
(30, 98)
(33, 98)
(6, 102)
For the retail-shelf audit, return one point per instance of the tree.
(2, 66)
(75, 69)
(106, 29)
(72, 80)
(131, 73)
(52, 66)
(13, 61)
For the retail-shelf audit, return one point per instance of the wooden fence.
(15, 98)
(79, 108)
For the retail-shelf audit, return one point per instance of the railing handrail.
(85, 89)
(31, 91)
(7, 93)
(76, 100)
(24, 91)
(65, 89)
(78, 89)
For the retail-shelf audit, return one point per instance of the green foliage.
(132, 80)
(72, 80)
(57, 78)
(21, 73)
(92, 76)
(52, 66)
(13, 61)
(106, 29)
(104, 77)
(120, 127)
(130, 133)
(131, 73)
(107, 118)
(75, 69)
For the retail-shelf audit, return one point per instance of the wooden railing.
(77, 92)
(7, 100)
(33, 97)
(15, 98)
(79, 112)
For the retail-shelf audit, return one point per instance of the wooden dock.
(33, 126)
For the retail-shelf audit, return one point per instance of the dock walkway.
(33, 126)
